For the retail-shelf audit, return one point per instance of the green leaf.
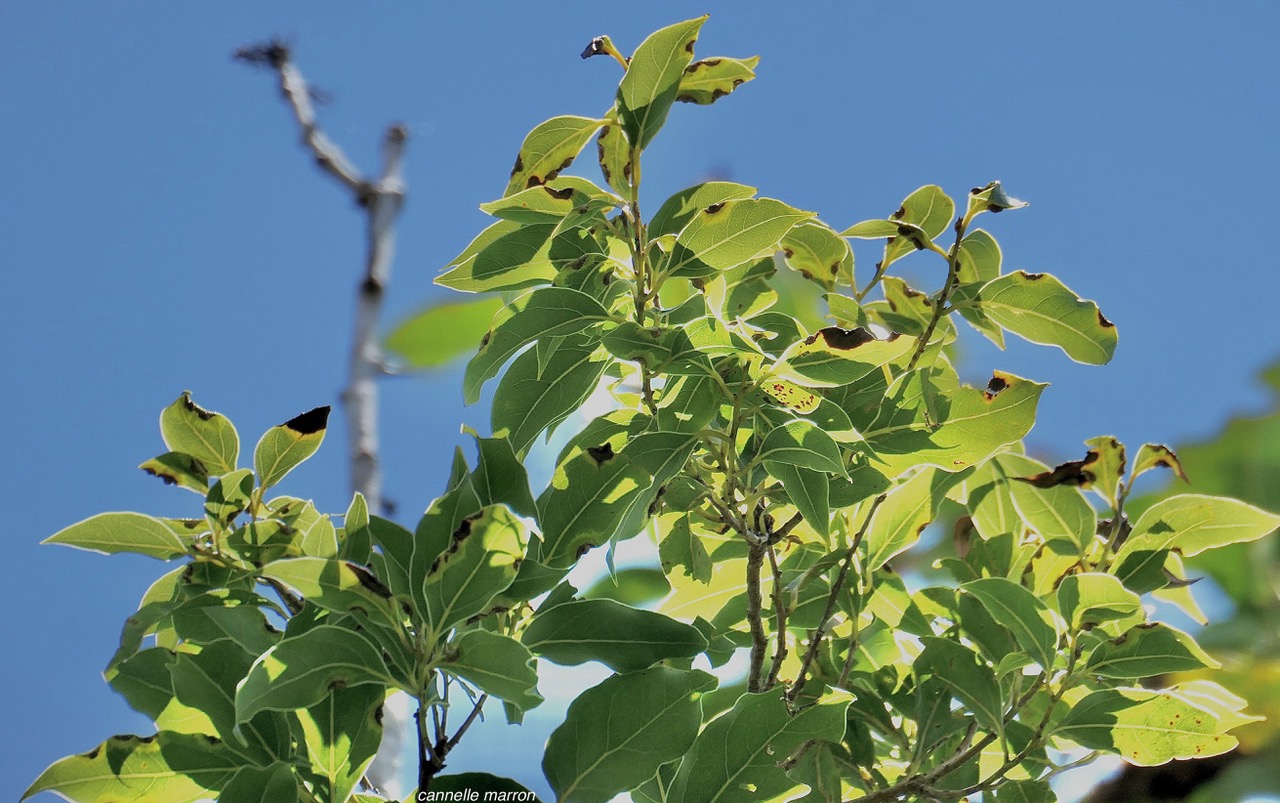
(342, 733)
(549, 148)
(500, 477)
(1155, 455)
(143, 681)
(1095, 598)
(814, 250)
(179, 469)
(282, 448)
(833, 356)
(977, 262)
(898, 522)
(165, 768)
(357, 540)
(1190, 523)
(681, 547)
(992, 198)
(809, 491)
(735, 757)
(1146, 728)
(971, 681)
(109, 533)
(614, 155)
(676, 212)
(479, 563)
(622, 638)
(590, 495)
(800, 443)
(514, 256)
(496, 664)
(1105, 463)
(979, 422)
(1147, 650)
(930, 210)
(542, 203)
(1059, 511)
(1039, 308)
(441, 333)
(1022, 613)
(205, 435)
(206, 682)
(300, 670)
(707, 80)
(261, 785)
(872, 229)
(730, 233)
(653, 79)
(540, 314)
(531, 398)
(618, 733)
(335, 585)
(636, 586)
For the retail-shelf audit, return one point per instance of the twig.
(780, 612)
(381, 200)
(759, 641)
(815, 641)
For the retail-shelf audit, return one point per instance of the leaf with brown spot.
(707, 80)
(833, 356)
(480, 562)
(1041, 309)
(653, 79)
(1155, 455)
(1072, 472)
(814, 250)
(549, 148)
(1106, 461)
(205, 435)
(284, 447)
(179, 469)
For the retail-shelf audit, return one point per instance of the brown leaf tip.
(600, 454)
(843, 339)
(192, 407)
(1102, 319)
(310, 422)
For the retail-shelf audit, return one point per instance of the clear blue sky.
(161, 229)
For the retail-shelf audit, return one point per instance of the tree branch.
(381, 201)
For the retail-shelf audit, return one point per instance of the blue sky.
(161, 229)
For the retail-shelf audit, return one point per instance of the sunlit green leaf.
(441, 333)
(299, 671)
(282, 448)
(1155, 455)
(109, 533)
(1148, 650)
(335, 585)
(682, 547)
(801, 443)
(1145, 728)
(676, 212)
(496, 664)
(613, 152)
(179, 469)
(653, 79)
(514, 256)
(1041, 309)
(707, 80)
(543, 313)
(992, 198)
(735, 757)
(261, 785)
(479, 563)
(835, 356)
(618, 733)
(342, 733)
(809, 491)
(1059, 511)
(813, 249)
(530, 399)
(549, 148)
(206, 682)
(730, 233)
(905, 512)
(165, 768)
(205, 435)
(1105, 462)
(1094, 598)
(589, 496)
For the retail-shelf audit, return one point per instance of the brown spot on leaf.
(843, 339)
(1102, 320)
(835, 268)
(310, 422)
(900, 214)
(377, 715)
(997, 384)
(369, 581)
(560, 195)
(1069, 473)
(533, 181)
(600, 454)
(688, 48)
(994, 209)
(337, 683)
(711, 210)
(584, 549)
(1032, 277)
(484, 341)
(93, 753)
(519, 166)
(192, 407)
